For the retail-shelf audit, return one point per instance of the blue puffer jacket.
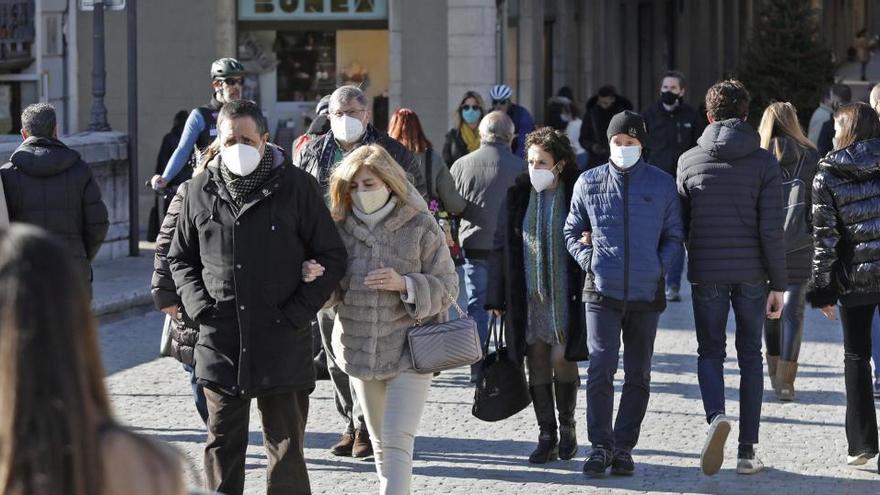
(635, 220)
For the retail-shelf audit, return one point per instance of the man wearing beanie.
(731, 191)
(630, 211)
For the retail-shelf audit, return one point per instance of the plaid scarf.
(240, 187)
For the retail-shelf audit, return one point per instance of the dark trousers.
(604, 328)
(347, 403)
(284, 423)
(861, 417)
(784, 336)
(712, 303)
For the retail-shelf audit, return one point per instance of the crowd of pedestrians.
(574, 235)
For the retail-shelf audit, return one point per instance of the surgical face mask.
(370, 201)
(668, 97)
(625, 156)
(541, 179)
(241, 159)
(470, 116)
(347, 129)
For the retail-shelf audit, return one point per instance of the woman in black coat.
(782, 135)
(542, 309)
(464, 137)
(846, 261)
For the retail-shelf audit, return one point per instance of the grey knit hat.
(629, 123)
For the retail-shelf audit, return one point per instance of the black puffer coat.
(506, 289)
(48, 184)
(454, 147)
(846, 225)
(239, 276)
(184, 332)
(797, 263)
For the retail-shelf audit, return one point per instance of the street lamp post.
(98, 121)
(133, 198)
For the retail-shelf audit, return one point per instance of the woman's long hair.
(407, 129)
(375, 159)
(469, 94)
(54, 403)
(855, 122)
(780, 119)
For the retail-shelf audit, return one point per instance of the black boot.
(548, 442)
(566, 398)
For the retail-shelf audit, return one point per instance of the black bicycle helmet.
(226, 67)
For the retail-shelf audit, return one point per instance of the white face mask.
(241, 159)
(541, 179)
(347, 129)
(625, 156)
(370, 201)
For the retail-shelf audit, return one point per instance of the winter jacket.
(239, 276)
(635, 220)
(439, 182)
(846, 225)
(47, 184)
(483, 178)
(523, 124)
(184, 331)
(670, 133)
(454, 147)
(797, 263)
(310, 158)
(732, 197)
(369, 336)
(825, 144)
(506, 289)
(594, 130)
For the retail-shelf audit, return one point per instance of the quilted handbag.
(443, 346)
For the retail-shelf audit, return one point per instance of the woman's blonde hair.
(780, 119)
(371, 157)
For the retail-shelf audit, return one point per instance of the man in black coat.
(673, 128)
(49, 185)
(600, 108)
(246, 226)
(731, 192)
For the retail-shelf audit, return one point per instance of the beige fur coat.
(369, 335)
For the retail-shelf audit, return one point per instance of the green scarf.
(546, 270)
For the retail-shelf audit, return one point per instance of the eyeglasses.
(233, 81)
(470, 107)
(349, 113)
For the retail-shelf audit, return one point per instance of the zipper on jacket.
(625, 241)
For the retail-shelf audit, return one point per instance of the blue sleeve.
(672, 236)
(194, 126)
(576, 224)
(524, 127)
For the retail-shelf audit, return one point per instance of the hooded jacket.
(731, 190)
(846, 225)
(797, 263)
(239, 276)
(49, 185)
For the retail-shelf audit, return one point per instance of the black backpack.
(797, 230)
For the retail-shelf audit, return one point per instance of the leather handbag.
(502, 389)
(443, 346)
(165, 342)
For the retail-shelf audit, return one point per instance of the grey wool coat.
(369, 335)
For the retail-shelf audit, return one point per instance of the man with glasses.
(523, 123)
(201, 125)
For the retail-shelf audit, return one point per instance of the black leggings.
(861, 418)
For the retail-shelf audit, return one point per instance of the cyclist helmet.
(226, 67)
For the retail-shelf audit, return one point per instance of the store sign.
(17, 33)
(312, 10)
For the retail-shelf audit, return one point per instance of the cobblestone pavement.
(803, 443)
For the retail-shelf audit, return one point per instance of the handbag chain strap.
(461, 313)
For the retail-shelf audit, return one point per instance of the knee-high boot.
(566, 399)
(548, 442)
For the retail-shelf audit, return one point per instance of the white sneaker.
(749, 466)
(859, 460)
(712, 455)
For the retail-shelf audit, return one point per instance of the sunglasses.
(470, 107)
(233, 82)
(495, 103)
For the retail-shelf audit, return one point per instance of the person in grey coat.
(483, 178)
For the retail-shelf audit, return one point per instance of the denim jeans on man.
(605, 326)
(875, 340)
(712, 303)
(476, 275)
(198, 393)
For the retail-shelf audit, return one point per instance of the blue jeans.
(673, 278)
(198, 393)
(875, 339)
(462, 294)
(712, 304)
(476, 275)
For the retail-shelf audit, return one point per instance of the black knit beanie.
(630, 123)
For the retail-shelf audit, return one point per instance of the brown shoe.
(344, 446)
(362, 445)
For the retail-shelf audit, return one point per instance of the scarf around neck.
(240, 187)
(470, 137)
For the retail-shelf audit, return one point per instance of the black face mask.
(668, 97)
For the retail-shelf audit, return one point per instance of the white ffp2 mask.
(370, 201)
(241, 159)
(347, 129)
(541, 179)
(625, 156)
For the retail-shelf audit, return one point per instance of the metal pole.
(133, 214)
(98, 120)
(500, 25)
